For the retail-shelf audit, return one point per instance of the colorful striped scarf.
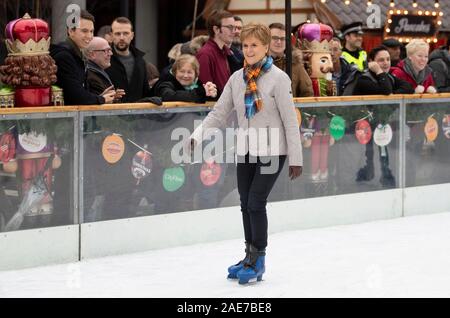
(252, 100)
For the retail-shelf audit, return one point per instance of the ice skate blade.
(251, 281)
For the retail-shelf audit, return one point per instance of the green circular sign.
(337, 127)
(173, 179)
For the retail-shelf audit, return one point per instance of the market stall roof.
(356, 10)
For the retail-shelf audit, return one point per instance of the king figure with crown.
(30, 71)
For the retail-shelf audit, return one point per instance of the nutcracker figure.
(31, 71)
(314, 40)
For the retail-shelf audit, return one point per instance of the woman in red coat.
(414, 68)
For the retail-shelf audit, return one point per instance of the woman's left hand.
(211, 89)
(295, 171)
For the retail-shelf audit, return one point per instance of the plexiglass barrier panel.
(130, 170)
(346, 150)
(427, 138)
(130, 167)
(36, 173)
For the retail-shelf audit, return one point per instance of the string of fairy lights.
(393, 10)
(391, 4)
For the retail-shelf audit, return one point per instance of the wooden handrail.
(137, 106)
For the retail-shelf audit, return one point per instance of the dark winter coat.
(171, 90)
(97, 79)
(382, 84)
(138, 88)
(440, 63)
(71, 75)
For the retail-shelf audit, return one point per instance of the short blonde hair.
(184, 59)
(415, 45)
(257, 30)
(175, 51)
(197, 43)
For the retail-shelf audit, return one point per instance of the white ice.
(404, 257)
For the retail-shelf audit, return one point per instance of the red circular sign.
(210, 173)
(363, 132)
(141, 165)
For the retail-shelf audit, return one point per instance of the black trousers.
(255, 178)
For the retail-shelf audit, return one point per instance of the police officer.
(353, 57)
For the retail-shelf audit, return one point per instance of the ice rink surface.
(405, 257)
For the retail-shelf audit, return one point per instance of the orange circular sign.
(113, 148)
(299, 116)
(431, 129)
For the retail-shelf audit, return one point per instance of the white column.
(146, 38)
(59, 16)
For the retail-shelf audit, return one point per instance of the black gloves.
(154, 100)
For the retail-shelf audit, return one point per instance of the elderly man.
(98, 54)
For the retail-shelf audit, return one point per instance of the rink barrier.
(81, 239)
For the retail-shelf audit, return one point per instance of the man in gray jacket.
(440, 63)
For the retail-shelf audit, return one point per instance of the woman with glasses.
(268, 133)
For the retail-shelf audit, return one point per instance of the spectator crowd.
(108, 68)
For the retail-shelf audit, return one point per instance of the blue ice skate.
(234, 269)
(254, 268)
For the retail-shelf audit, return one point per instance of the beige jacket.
(271, 132)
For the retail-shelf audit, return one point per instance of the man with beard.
(353, 57)
(128, 68)
(236, 59)
(213, 56)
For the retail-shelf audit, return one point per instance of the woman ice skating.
(268, 134)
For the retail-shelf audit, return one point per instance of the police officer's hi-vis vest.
(360, 62)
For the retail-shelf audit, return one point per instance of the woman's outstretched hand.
(295, 171)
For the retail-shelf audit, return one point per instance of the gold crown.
(17, 48)
(316, 47)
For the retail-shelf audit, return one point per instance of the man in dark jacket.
(99, 55)
(353, 58)
(71, 65)
(377, 80)
(440, 63)
(128, 68)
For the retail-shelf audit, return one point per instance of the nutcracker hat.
(27, 36)
(315, 37)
